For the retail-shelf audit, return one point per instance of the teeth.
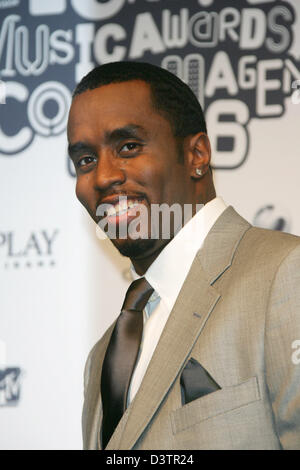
(111, 211)
(122, 207)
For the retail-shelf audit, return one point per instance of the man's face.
(121, 146)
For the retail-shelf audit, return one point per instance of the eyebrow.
(130, 131)
(127, 132)
(77, 148)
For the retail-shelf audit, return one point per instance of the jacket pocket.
(216, 403)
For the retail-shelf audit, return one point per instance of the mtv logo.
(55, 7)
(9, 386)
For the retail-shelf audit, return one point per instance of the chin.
(135, 248)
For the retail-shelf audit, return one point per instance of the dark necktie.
(121, 356)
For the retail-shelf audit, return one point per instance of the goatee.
(136, 248)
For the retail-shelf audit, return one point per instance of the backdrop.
(61, 286)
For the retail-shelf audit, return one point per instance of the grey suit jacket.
(237, 314)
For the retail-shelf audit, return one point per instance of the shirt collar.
(168, 272)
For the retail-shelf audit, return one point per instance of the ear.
(199, 155)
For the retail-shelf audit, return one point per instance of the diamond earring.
(198, 171)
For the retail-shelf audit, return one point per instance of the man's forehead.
(116, 90)
(128, 98)
(113, 106)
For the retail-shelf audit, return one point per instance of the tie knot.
(137, 295)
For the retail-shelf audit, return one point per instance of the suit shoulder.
(262, 250)
(272, 241)
(267, 233)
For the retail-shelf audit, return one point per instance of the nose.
(108, 172)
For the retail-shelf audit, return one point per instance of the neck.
(142, 264)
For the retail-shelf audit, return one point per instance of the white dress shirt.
(166, 275)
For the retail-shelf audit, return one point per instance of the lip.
(124, 218)
(129, 215)
(116, 198)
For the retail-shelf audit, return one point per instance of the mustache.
(114, 196)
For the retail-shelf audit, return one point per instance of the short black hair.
(170, 95)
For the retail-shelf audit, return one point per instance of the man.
(215, 364)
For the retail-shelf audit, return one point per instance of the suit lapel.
(221, 243)
(193, 306)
